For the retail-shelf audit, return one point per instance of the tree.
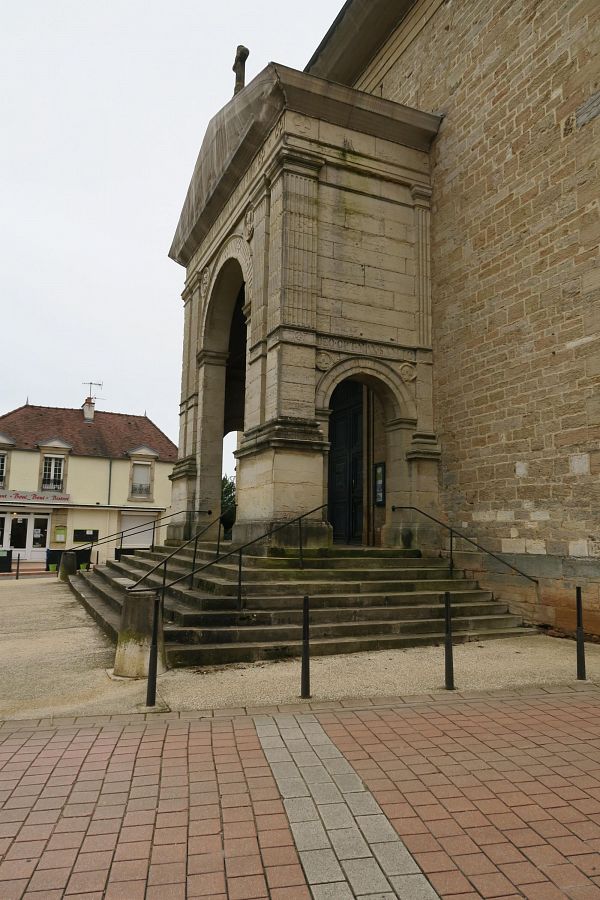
(228, 502)
(227, 491)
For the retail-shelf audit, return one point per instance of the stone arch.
(219, 283)
(399, 403)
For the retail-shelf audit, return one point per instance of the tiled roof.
(109, 435)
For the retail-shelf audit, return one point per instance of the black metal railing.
(52, 484)
(164, 562)
(239, 551)
(159, 601)
(140, 490)
(118, 537)
(454, 533)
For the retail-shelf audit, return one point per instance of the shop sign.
(32, 497)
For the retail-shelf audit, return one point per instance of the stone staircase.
(360, 599)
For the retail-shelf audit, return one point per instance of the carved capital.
(421, 195)
(211, 358)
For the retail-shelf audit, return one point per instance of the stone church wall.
(515, 277)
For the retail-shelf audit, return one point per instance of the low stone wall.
(552, 601)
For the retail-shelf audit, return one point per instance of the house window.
(2, 469)
(141, 486)
(52, 476)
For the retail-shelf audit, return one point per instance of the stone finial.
(239, 67)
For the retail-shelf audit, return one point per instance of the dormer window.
(52, 475)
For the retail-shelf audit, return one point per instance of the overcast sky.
(103, 106)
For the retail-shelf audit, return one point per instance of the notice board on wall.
(85, 535)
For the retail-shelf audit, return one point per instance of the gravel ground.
(478, 666)
(55, 660)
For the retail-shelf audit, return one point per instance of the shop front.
(26, 532)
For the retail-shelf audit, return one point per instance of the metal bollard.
(18, 566)
(153, 657)
(448, 649)
(239, 584)
(305, 672)
(580, 643)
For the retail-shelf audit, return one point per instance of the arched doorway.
(359, 410)
(345, 485)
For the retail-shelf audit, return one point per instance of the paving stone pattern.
(161, 810)
(495, 796)
(347, 846)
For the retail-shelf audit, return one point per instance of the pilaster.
(421, 199)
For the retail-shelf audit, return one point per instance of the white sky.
(103, 106)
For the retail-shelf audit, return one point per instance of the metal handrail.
(454, 531)
(239, 550)
(179, 548)
(134, 529)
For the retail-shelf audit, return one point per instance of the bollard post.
(97, 556)
(239, 586)
(305, 672)
(448, 649)
(580, 643)
(193, 563)
(153, 656)
(18, 566)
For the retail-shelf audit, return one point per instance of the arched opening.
(235, 371)
(221, 381)
(359, 408)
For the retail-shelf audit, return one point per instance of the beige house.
(392, 290)
(69, 476)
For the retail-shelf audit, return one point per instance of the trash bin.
(83, 557)
(53, 560)
(6, 560)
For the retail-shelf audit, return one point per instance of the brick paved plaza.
(457, 796)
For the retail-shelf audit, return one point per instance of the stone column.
(209, 437)
(398, 440)
(280, 460)
(183, 476)
(257, 232)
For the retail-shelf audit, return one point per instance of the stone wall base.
(552, 601)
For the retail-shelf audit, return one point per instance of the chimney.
(88, 409)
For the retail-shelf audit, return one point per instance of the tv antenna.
(92, 384)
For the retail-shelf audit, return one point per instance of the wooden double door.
(345, 495)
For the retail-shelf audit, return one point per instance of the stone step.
(282, 634)
(190, 603)
(271, 563)
(331, 613)
(336, 551)
(360, 598)
(228, 570)
(227, 575)
(226, 654)
(272, 587)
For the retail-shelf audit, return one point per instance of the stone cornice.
(237, 134)
(340, 56)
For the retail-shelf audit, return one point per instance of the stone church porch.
(305, 236)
